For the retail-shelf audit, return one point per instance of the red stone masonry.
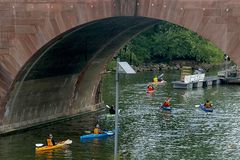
(27, 25)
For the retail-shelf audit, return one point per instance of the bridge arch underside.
(62, 79)
(27, 25)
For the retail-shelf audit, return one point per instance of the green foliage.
(165, 42)
(111, 66)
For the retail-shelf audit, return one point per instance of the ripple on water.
(185, 133)
(146, 131)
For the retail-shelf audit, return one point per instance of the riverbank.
(173, 65)
(176, 65)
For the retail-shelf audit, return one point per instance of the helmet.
(97, 126)
(50, 135)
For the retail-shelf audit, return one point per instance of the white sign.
(124, 67)
(194, 78)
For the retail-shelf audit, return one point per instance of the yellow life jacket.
(155, 79)
(49, 142)
(96, 131)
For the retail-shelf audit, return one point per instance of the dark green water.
(146, 132)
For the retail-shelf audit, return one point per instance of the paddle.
(168, 99)
(197, 105)
(39, 145)
(110, 133)
(161, 75)
(68, 141)
(87, 132)
(110, 107)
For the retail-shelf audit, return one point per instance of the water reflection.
(191, 93)
(63, 153)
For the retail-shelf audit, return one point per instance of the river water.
(146, 132)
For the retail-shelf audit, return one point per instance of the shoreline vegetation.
(168, 46)
(174, 65)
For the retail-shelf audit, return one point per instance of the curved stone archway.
(28, 29)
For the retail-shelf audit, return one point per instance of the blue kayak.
(166, 108)
(205, 109)
(89, 136)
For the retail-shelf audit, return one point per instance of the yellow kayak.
(57, 146)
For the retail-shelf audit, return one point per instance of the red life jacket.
(166, 104)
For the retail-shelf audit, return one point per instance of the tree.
(165, 42)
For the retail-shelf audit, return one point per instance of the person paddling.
(150, 88)
(167, 102)
(112, 110)
(155, 79)
(50, 140)
(97, 129)
(207, 104)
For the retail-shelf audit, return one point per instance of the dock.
(230, 80)
(196, 81)
(230, 76)
(189, 81)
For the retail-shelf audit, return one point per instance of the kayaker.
(155, 79)
(207, 104)
(150, 88)
(112, 110)
(50, 140)
(167, 102)
(97, 129)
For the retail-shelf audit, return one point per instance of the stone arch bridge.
(52, 52)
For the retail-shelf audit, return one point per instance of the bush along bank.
(174, 65)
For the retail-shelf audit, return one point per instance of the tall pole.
(225, 62)
(116, 114)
